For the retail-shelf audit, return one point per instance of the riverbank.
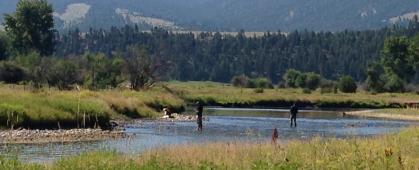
(54, 109)
(396, 114)
(392, 151)
(219, 94)
(53, 136)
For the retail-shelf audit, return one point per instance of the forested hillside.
(218, 57)
(229, 15)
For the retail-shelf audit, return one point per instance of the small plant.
(258, 90)
(306, 91)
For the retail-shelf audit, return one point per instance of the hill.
(230, 15)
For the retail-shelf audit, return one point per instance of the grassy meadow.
(392, 151)
(226, 95)
(49, 108)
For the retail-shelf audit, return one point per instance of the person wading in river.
(199, 110)
(293, 116)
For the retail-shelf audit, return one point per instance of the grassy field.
(394, 151)
(226, 95)
(49, 108)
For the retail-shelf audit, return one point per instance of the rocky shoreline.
(52, 136)
(181, 118)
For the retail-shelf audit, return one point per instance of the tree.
(141, 69)
(414, 53)
(394, 83)
(312, 80)
(103, 72)
(374, 83)
(4, 46)
(347, 84)
(63, 74)
(395, 58)
(31, 26)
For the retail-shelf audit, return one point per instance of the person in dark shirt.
(294, 112)
(199, 110)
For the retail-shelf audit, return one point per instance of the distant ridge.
(230, 15)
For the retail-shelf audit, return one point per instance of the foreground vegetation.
(395, 151)
(212, 93)
(48, 108)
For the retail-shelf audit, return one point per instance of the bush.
(301, 80)
(327, 86)
(347, 84)
(312, 80)
(290, 77)
(11, 73)
(63, 74)
(258, 90)
(294, 78)
(263, 83)
(240, 81)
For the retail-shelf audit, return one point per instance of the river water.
(223, 125)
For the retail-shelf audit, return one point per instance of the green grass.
(393, 151)
(226, 95)
(49, 108)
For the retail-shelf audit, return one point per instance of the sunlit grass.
(393, 151)
(50, 108)
(225, 94)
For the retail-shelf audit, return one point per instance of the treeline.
(33, 52)
(218, 57)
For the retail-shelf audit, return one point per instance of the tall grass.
(226, 95)
(394, 151)
(51, 109)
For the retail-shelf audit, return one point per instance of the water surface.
(223, 125)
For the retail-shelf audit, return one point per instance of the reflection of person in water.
(294, 112)
(199, 110)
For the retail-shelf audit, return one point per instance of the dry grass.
(46, 107)
(393, 151)
(225, 94)
(399, 151)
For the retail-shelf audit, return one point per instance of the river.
(224, 125)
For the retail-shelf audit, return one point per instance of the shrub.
(11, 73)
(290, 77)
(240, 81)
(312, 80)
(347, 84)
(263, 82)
(327, 86)
(258, 90)
(301, 80)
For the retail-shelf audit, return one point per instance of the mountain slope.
(230, 15)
